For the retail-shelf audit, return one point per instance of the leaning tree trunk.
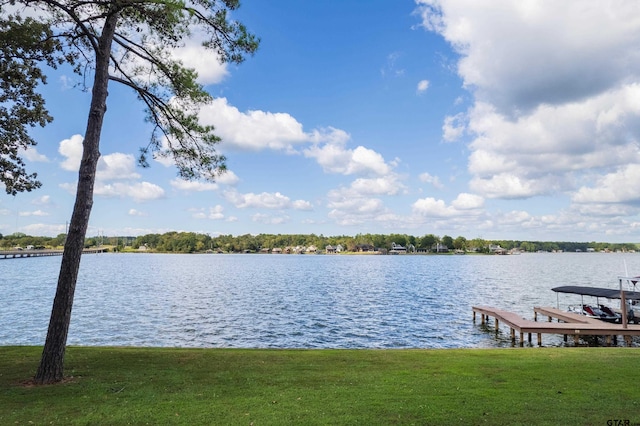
(51, 367)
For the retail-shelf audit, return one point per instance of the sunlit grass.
(273, 387)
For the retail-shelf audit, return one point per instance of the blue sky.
(499, 120)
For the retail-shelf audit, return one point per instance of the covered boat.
(628, 300)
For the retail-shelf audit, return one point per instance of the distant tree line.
(19, 239)
(190, 242)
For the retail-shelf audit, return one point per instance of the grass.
(554, 386)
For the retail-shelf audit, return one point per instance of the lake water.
(294, 301)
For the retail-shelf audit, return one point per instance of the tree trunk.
(51, 367)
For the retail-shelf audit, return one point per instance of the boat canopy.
(597, 292)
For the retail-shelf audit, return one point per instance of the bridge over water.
(17, 254)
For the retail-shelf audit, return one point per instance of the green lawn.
(528, 386)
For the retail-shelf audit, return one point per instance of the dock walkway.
(569, 324)
(17, 254)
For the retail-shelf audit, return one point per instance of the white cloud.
(258, 130)
(270, 220)
(464, 205)
(32, 154)
(44, 200)
(422, 87)
(431, 207)
(265, 200)
(134, 212)
(357, 205)
(302, 205)
(388, 185)
(192, 54)
(110, 166)
(620, 186)
(216, 212)
(453, 127)
(253, 130)
(596, 132)
(511, 186)
(599, 210)
(139, 191)
(198, 214)
(228, 178)
(206, 63)
(213, 213)
(543, 152)
(349, 207)
(116, 166)
(535, 52)
(391, 68)
(433, 180)
(466, 201)
(71, 149)
(193, 186)
(555, 92)
(34, 213)
(336, 158)
(43, 229)
(344, 218)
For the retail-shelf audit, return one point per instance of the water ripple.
(306, 301)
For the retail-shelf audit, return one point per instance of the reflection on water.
(293, 301)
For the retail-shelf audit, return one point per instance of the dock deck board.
(571, 324)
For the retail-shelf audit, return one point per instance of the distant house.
(495, 249)
(276, 250)
(143, 247)
(441, 248)
(332, 250)
(397, 249)
(312, 249)
(365, 248)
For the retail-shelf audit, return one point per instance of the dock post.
(529, 337)
(497, 324)
(513, 335)
(474, 316)
(539, 339)
(521, 338)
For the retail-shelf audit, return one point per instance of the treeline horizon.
(191, 242)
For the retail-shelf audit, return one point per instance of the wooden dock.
(17, 254)
(568, 324)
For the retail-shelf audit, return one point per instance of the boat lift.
(627, 297)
